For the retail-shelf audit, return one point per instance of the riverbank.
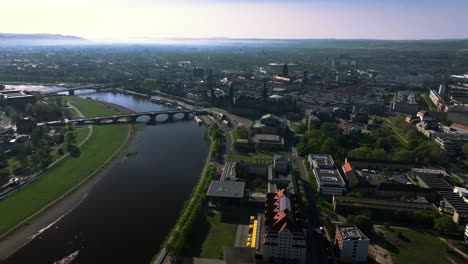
(190, 209)
(33, 211)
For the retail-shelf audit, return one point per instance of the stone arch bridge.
(127, 118)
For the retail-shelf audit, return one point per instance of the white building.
(353, 244)
(327, 175)
(285, 232)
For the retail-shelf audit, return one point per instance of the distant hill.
(8, 39)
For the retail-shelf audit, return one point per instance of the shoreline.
(162, 253)
(20, 236)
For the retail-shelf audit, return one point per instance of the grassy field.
(429, 102)
(410, 246)
(103, 143)
(91, 108)
(220, 234)
(404, 142)
(81, 134)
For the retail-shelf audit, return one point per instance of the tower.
(285, 70)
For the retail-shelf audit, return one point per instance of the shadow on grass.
(197, 237)
(378, 239)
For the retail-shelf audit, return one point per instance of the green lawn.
(398, 136)
(81, 134)
(220, 234)
(91, 108)
(416, 247)
(103, 143)
(429, 102)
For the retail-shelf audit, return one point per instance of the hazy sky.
(124, 19)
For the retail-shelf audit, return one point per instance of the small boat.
(198, 120)
(68, 259)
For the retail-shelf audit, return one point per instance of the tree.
(70, 138)
(360, 153)
(403, 155)
(328, 146)
(445, 225)
(378, 154)
(363, 222)
(465, 149)
(11, 113)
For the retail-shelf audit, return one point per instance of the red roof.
(347, 167)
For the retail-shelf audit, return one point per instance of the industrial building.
(327, 175)
(353, 245)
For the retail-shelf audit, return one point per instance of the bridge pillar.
(186, 116)
(170, 117)
(71, 92)
(152, 120)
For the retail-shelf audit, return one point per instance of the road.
(319, 247)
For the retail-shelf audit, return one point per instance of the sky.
(287, 19)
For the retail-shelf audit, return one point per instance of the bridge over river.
(127, 118)
(71, 90)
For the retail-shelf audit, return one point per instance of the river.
(127, 215)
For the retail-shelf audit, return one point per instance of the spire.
(285, 70)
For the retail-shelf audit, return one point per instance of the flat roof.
(321, 160)
(455, 201)
(350, 233)
(232, 189)
(329, 176)
(434, 181)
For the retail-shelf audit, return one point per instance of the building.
(327, 175)
(462, 192)
(280, 164)
(225, 192)
(451, 146)
(378, 164)
(431, 178)
(454, 204)
(405, 103)
(15, 98)
(269, 124)
(437, 99)
(353, 245)
(285, 233)
(424, 115)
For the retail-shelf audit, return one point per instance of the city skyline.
(124, 20)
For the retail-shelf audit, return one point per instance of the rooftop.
(232, 189)
(457, 202)
(350, 232)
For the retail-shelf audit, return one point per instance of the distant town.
(333, 152)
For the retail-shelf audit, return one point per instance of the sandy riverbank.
(66, 203)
